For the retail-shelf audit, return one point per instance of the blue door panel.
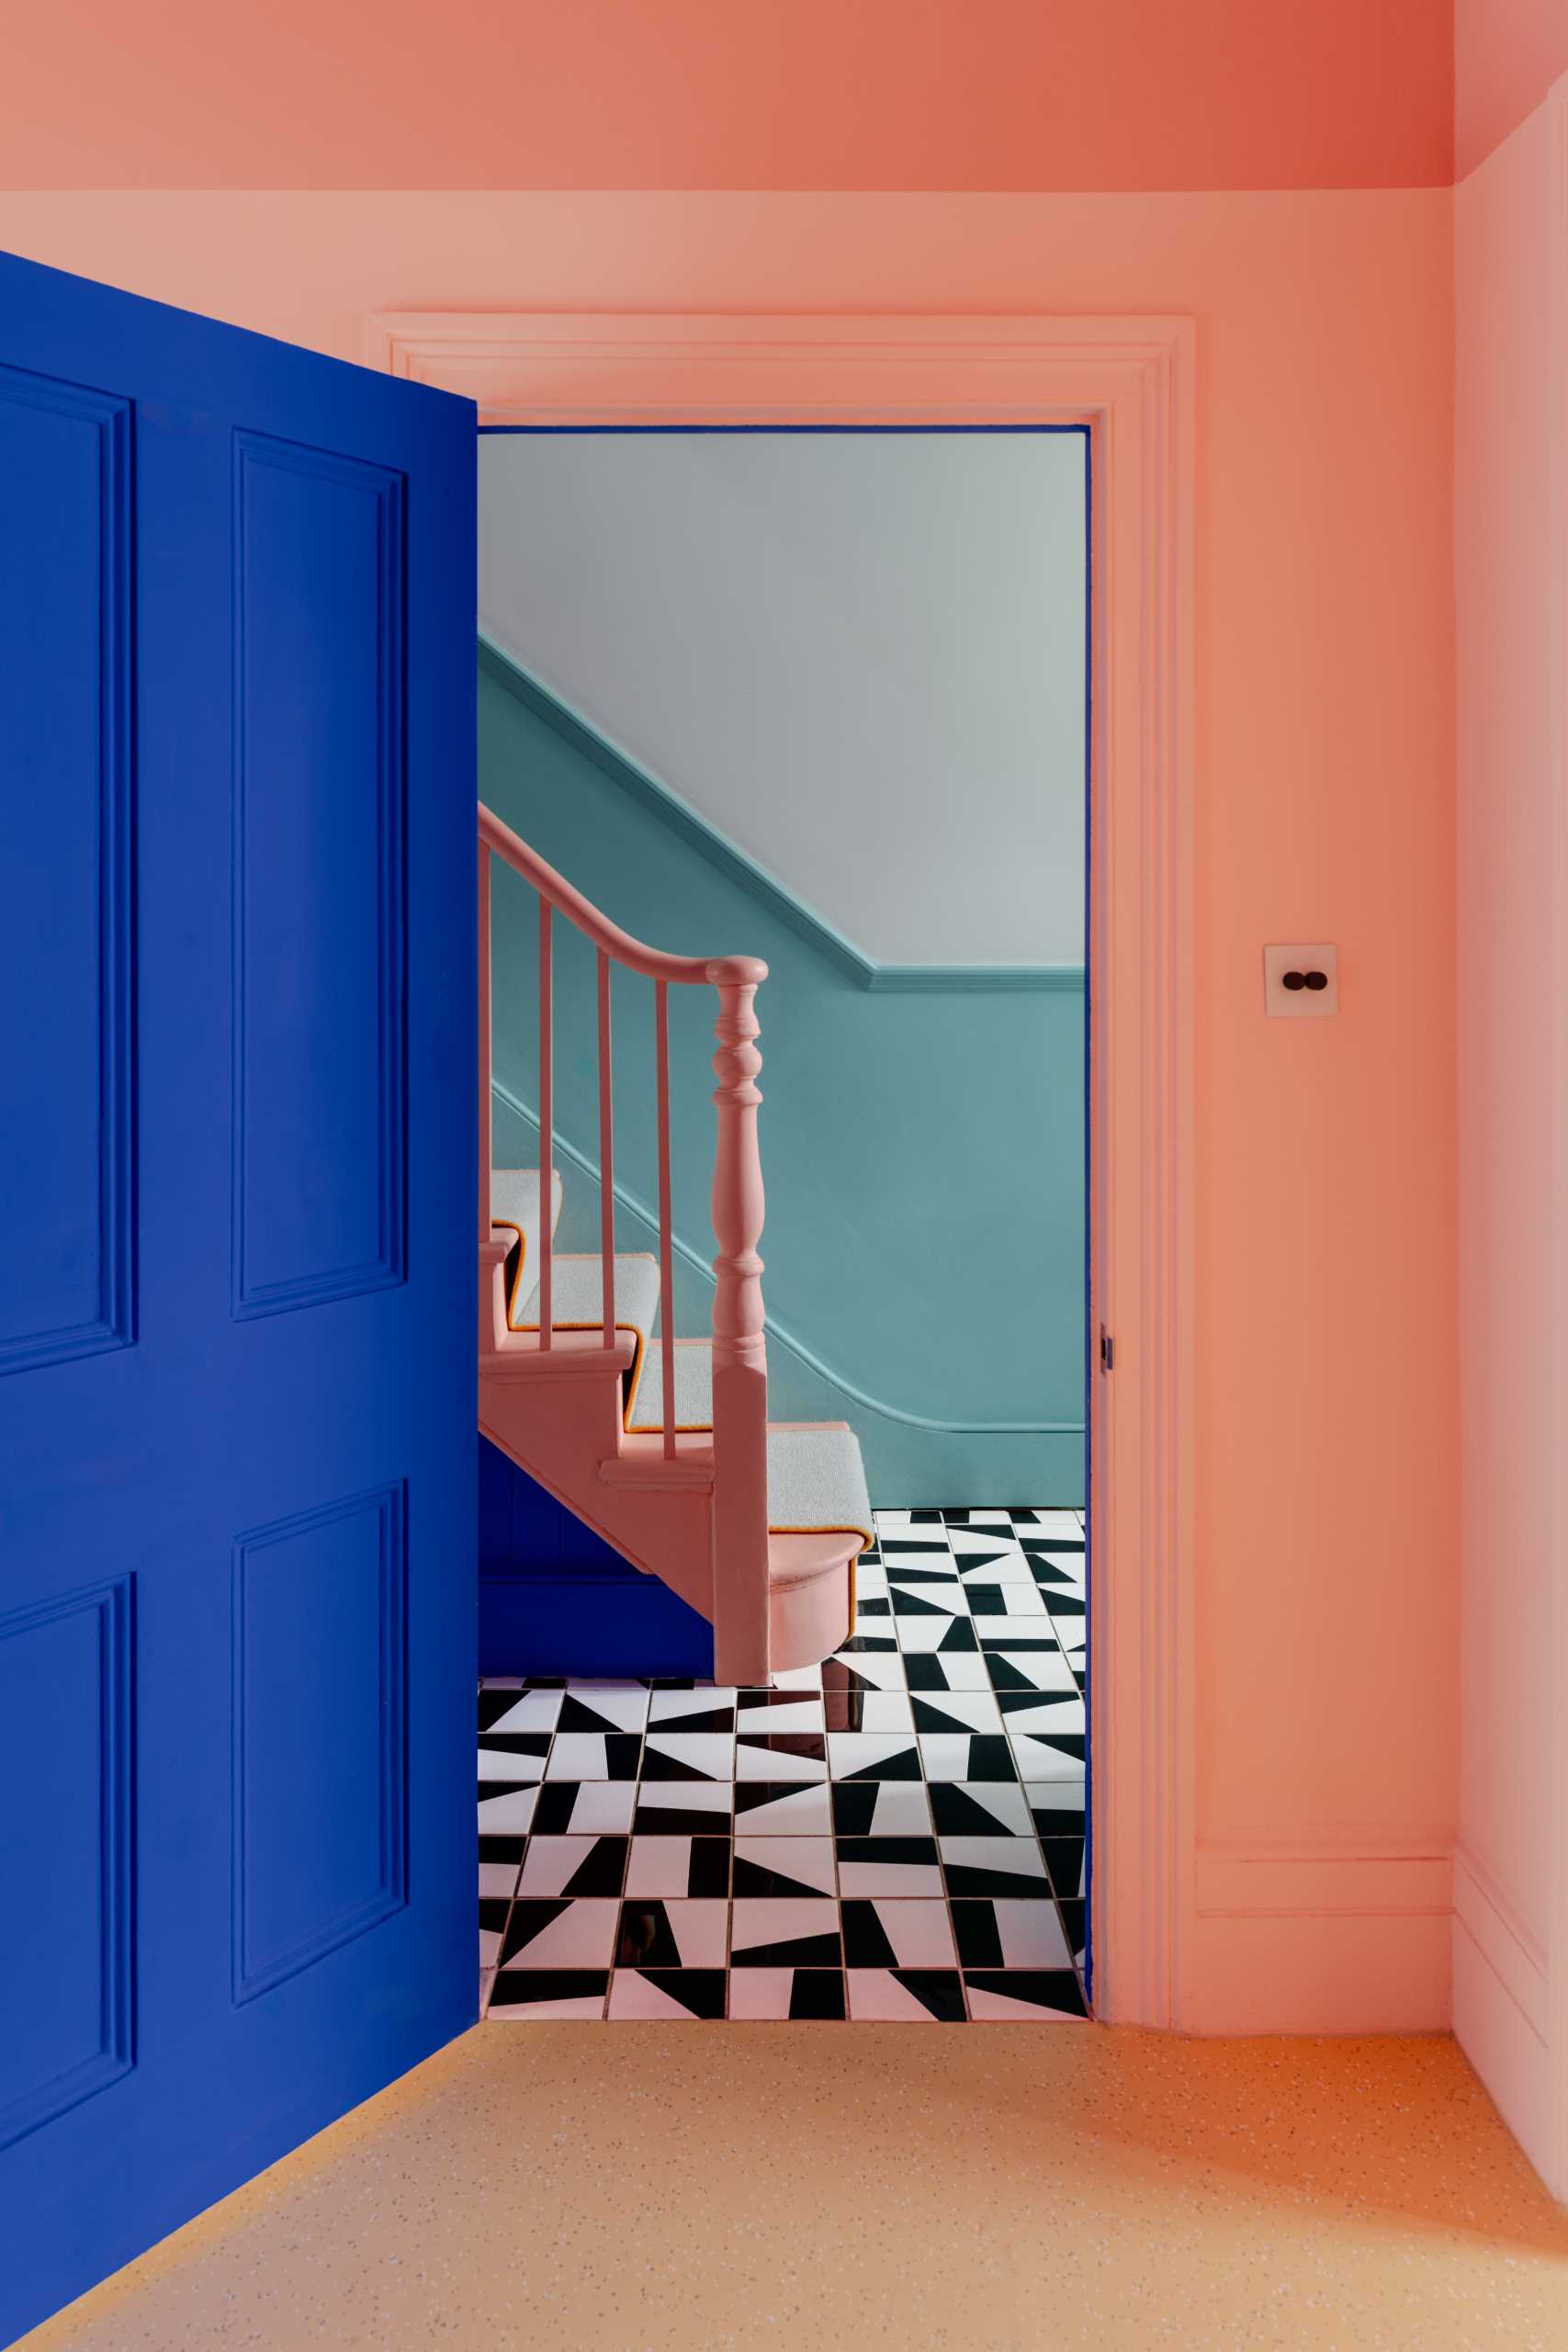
(319, 589)
(65, 893)
(237, 1594)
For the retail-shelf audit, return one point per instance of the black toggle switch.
(1295, 980)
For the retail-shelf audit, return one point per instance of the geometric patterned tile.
(672, 1935)
(923, 1995)
(897, 1834)
(1036, 1994)
(548, 1993)
(666, 1993)
(1004, 1933)
(678, 1866)
(786, 1992)
(559, 1934)
(574, 1866)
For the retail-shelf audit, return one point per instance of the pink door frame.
(1131, 382)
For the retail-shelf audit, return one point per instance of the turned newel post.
(739, 1352)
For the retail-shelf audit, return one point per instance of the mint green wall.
(922, 1143)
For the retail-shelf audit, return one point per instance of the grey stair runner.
(514, 1214)
(816, 1479)
(693, 1388)
(577, 1296)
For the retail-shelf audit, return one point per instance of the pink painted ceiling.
(729, 94)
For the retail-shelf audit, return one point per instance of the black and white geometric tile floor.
(896, 1834)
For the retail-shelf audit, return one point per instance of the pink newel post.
(740, 1350)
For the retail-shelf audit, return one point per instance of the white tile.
(1031, 1934)
(551, 1863)
(779, 1919)
(754, 1763)
(700, 1928)
(710, 1753)
(582, 1755)
(1004, 1857)
(902, 1810)
(497, 1764)
(659, 1866)
(497, 1881)
(808, 1861)
(534, 1711)
(921, 1933)
(760, 1992)
(961, 1670)
(944, 1599)
(801, 1713)
(878, 1711)
(963, 1710)
(715, 1798)
(670, 1709)
(877, 1755)
(1064, 1795)
(798, 1678)
(795, 1812)
(602, 1808)
(636, 1996)
(581, 1935)
(987, 2006)
(921, 1636)
(875, 1993)
(574, 2006)
(872, 1878)
(1003, 1800)
(509, 1816)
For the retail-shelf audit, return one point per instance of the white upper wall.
(860, 656)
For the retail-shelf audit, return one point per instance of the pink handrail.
(716, 971)
(739, 1441)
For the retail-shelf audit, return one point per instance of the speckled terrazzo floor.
(713, 2187)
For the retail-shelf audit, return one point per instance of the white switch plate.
(1296, 1004)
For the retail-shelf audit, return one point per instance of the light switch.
(1300, 982)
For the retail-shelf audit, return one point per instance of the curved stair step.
(816, 1481)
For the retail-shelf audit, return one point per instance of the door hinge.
(1107, 1350)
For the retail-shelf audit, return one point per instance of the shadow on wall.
(922, 1148)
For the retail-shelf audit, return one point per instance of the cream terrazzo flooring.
(716, 2188)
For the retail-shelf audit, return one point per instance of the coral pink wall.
(1325, 1403)
(1508, 53)
(1511, 552)
(729, 94)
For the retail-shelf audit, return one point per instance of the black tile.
(1055, 1989)
(940, 1990)
(521, 1986)
(816, 1993)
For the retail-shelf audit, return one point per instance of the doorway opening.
(819, 694)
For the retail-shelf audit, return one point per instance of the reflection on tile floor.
(897, 1833)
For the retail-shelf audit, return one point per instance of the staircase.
(663, 1445)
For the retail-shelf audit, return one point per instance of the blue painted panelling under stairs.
(555, 1598)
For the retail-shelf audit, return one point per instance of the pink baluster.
(546, 1131)
(666, 1276)
(606, 1158)
(739, 1352)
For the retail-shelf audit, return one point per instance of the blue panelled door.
(237, 1185)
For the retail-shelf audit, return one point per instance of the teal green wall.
(922, 1134)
